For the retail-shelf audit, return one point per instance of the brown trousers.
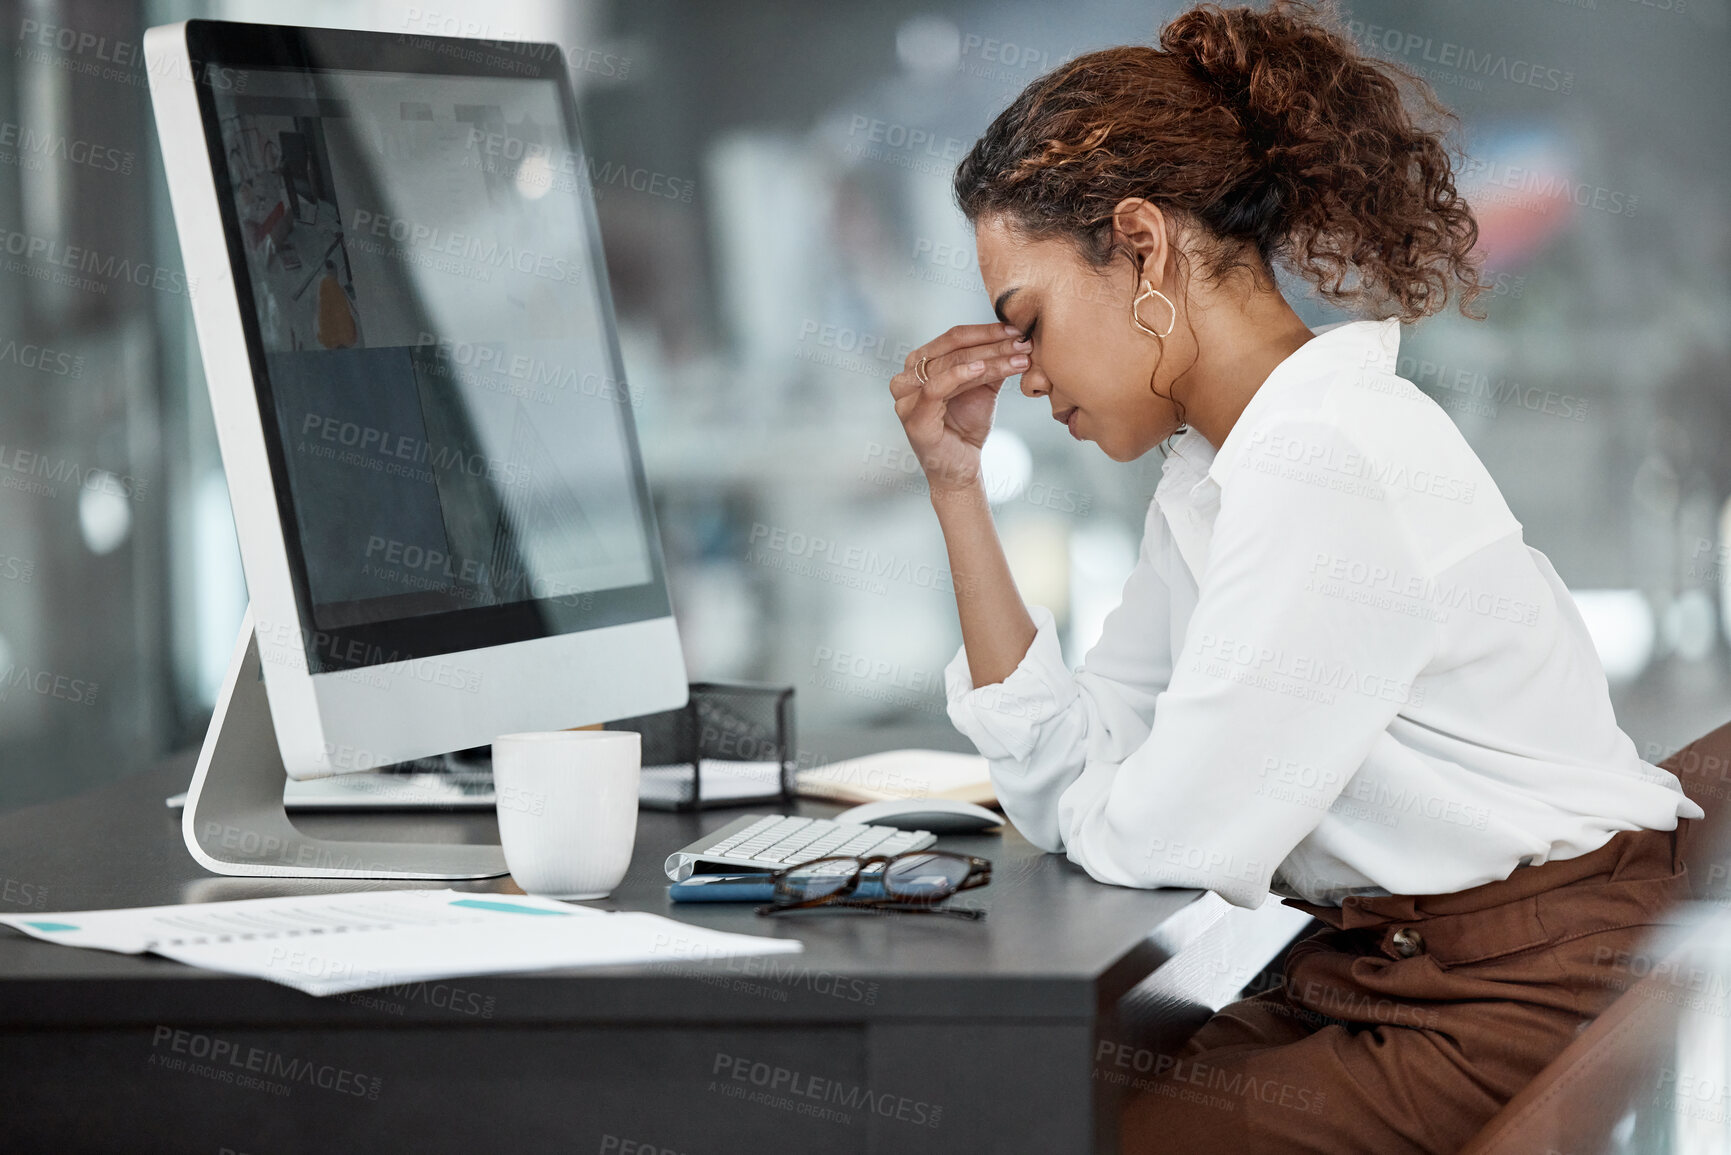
(1409, 1020)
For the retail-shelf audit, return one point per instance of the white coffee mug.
(567, 804)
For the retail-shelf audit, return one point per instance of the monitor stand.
(234, 822)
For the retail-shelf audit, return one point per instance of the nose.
(1034, 383)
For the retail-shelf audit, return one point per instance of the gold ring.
(920, 371)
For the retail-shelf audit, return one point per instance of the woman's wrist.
(957, 495)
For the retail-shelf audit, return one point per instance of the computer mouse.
(938, 815)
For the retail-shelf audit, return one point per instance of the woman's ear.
(1140, 224)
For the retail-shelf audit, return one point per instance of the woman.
(1338, 673)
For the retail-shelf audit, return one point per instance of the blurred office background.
(775, 196)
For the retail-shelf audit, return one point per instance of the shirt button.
(1406, 942)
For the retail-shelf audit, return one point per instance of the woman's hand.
(947, 419)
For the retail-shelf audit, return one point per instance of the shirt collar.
(1344, 346)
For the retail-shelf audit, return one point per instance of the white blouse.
(1336, 669)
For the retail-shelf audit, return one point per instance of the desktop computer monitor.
(400, 298)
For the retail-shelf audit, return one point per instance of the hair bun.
(1252, 64)
(1260, 67)
(1215, 45)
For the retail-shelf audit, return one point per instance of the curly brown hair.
(1269, 129)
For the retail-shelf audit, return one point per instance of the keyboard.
(773, 841)
(435, 790)
(467, 786)
(443, 783)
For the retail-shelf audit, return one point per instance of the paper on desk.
(722, 780)
(912, 773)
(331, 944)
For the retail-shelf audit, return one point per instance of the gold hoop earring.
(1150, 291)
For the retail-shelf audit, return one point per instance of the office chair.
(1576, 1102)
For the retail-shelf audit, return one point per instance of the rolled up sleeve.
(1285, 675)
(1004, 718)
(1040, 726)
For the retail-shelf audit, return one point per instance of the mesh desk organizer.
(731, 744)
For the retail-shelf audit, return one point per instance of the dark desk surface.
(1055, 943)
(929, 1035)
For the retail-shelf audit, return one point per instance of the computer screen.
(452, 439)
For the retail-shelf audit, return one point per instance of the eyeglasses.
(914, 881)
